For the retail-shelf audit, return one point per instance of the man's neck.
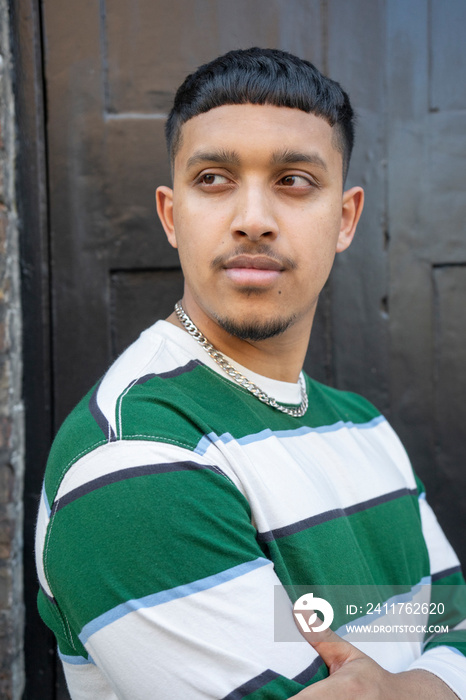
(280, 357)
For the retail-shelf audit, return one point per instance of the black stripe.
(332, 515)
(445, 573)
(99, 417)
(123, 474)
(252, 685)
(50, 598)
(192, 364)
(309, 672)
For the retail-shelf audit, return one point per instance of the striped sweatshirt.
(177, 508)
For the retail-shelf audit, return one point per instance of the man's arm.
(157, 585)
(438, 672)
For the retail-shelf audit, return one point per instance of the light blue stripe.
(457, 651)
(74, 660)
(423, 496)
(394, 600)
(154, 599)
(46, 500)
(207, 440)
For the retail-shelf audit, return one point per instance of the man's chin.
(255, 329)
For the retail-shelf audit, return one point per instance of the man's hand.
(353, 675)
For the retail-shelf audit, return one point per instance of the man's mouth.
(254, 262)
(253, 270)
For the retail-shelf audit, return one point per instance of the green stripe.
(201, 401)
(136, 537)
(450, 591)
(455, 639)
(347, 550)
(183, 409)
(78, 435)
(68, 642)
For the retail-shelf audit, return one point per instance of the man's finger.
(334, 650)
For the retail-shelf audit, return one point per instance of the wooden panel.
(39, 642)
(427, 212)
(139, 298)
(151, 46)
(135, 161)
(109, 75)
(77, 201)
(410, 268)
(444, 208)
(449, 283)
(447, 23)
(360, 278)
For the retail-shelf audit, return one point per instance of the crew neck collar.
(283, 392)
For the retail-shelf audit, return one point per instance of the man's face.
(257, 213)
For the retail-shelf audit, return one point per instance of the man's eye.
(295, 181)
(213, 179)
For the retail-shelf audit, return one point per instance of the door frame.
(32, 188)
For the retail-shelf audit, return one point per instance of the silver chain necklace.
(237, 376)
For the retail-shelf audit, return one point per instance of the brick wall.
(11, 409)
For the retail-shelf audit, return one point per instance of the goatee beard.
(248, 330)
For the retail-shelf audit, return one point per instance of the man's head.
(257, 210)
(263, 77)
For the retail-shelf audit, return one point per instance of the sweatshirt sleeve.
(155, 585)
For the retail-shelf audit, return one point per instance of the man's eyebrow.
(287, 157)
(222, 157)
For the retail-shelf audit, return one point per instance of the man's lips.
(254, 262)
(253, 270)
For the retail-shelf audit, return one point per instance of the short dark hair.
(262, 76)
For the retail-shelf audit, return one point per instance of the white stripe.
(314, 484)
(123, 454)
(441, 553)
(446, 663)
(162, 597)
(46, 500)
(87, 682)
(290, 478)
(41, 532)
(226, 633)
(206, 441)
(148, 355)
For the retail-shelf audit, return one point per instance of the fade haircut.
(263, 77)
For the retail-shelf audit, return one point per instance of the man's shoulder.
(139, 397)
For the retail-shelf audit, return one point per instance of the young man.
(206, 469)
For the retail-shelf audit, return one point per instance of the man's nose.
(254, 214)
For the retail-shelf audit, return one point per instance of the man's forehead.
(288, 134)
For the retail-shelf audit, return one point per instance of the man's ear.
(164, 200)
(353, 202)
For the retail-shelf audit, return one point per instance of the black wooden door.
(111, 74)
(391, 320)
(427, 204)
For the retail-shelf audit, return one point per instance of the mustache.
(259, 249)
